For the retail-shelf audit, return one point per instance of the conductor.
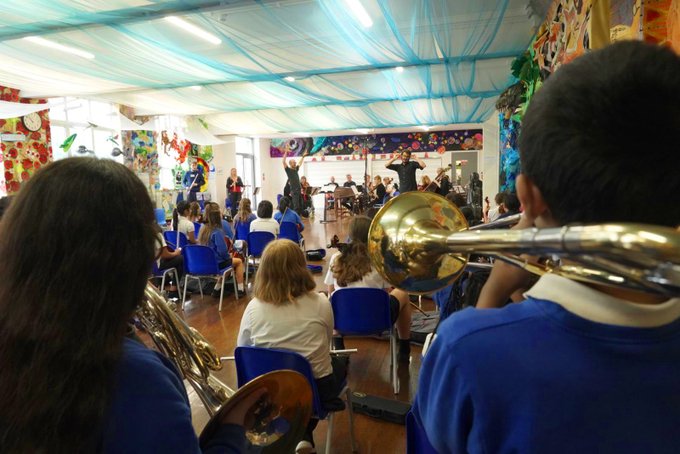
(294, 180)
(406, 170)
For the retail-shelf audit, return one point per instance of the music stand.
(326, 189)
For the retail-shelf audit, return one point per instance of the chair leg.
(329, 433)
(247, 268)
(163, 283)
(348, 398)
(233, 275)
(184, 294)
(174, 270)
(219, 308)
(393, 353)
(200, 286)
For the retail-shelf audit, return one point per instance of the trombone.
(420, 242)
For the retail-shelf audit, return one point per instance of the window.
(94, 122)
(245, 166)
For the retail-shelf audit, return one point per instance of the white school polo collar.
(599, 307)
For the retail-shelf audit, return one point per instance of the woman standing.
(234, 189)
(72, 381)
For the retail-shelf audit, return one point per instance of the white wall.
(224, 158)
(490, 157)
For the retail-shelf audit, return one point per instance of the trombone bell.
(407, 240)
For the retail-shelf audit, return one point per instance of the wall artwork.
(21, 159)
(509, 151)
(661, 23)
(381, 144)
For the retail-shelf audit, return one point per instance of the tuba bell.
(420, 242)
(288, 401)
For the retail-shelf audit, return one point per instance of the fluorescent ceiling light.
(196, 87)
(290, 78)
(359, 12)
(194, 30)
(425, 127)
(300, 134)
(363, 130)
(61, 47)
(399, 69)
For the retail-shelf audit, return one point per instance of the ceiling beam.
(143, 13)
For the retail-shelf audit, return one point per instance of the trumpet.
(289, 395)
(419, 242)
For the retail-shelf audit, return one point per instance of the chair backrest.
(361, 310)
(242, 230)
(257, 242)
(154, 270)
(251, 362)
(197, 228)
(289, 231)
(160, 216)
(171, 238)
(416, 439)
(200, 260)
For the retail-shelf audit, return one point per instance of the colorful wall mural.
(509, 156)
(661, 23)
(21, 159)
(380, 144)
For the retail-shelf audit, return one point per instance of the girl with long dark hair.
(71, 380)
(352, 268)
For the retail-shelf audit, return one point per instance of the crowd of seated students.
(574, 368)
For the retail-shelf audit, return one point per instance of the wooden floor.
(369, 368)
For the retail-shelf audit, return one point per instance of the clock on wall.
(32, 121)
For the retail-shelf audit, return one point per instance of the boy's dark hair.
(284, 203)
(511, 202)
(588, 130)
(265, 209)
(499, 198)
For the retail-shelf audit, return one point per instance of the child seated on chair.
(264, 221)
(351, 267)
(287, 214)
(287, 313)
(181, 222)
(245, 214)
(575, 367)
(211, 235)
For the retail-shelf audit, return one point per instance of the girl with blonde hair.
(287, 313)
(245, 213)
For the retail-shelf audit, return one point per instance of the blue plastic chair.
(257, 241)
(366, 311)
(289, 231)
(416, 438)
(155, 272)
(200, 261)
(197, 228)
(252, 362)
(171, 239)
(160, 217)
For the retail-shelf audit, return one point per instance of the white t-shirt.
(371, 280)
(265, 225)
(186, 226)
(159, 245)
(304, 326)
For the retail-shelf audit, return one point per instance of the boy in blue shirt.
(575, 368)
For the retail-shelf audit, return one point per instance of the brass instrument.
(289, 395)
(419, 242)
(432, 186)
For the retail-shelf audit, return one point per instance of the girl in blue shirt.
(212, 235)
(72, 381)
(286, 214)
